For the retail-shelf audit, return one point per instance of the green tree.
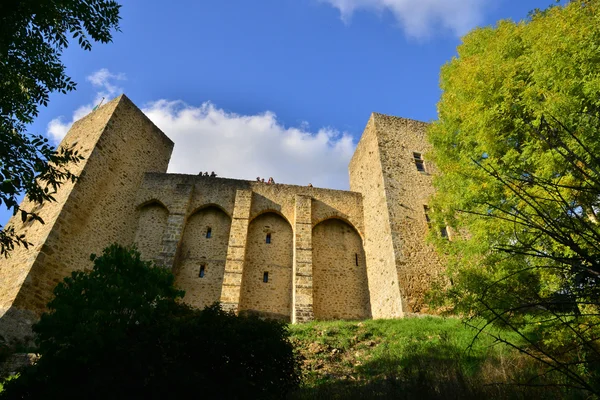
(33, 35)
(517, 140)
(118, 331)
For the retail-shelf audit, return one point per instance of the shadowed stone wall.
(152, 224)
(339, 272)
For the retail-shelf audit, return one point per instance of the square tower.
(390, 169)
(119, 145)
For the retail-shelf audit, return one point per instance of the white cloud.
(420, 18)
(103, 80)
(208, 138)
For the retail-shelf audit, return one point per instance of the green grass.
(424, 358)
(2, 380)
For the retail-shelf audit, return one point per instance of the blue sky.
(285, 85)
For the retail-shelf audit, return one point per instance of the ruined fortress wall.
(366, 177)
(119, 144)
(407, 191)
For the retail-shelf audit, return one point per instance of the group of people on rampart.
(271, 181)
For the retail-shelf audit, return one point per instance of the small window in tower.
(208, 232)
(268, 239)
(201, 273)
(419, 162)
(356, 259)
(444, 232)
(427, 217)
(265, 277)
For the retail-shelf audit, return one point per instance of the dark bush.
(118, 332)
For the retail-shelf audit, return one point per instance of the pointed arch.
(151, 201)
(341, 217)
(208, 205)
(270, 211)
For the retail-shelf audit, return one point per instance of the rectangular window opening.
(427, 217)
(268, 239)
(201, 273)
(419, 162)
(265, 277)
(444, 232)
(208, 232)
(356, 258)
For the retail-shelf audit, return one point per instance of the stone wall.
(152, 223)
(366, 177)
(384, 169)
(274, 258)
(288, 212)
(339, 272)
(200, 250)
(119, 144)
(302, 271)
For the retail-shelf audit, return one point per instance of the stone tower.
(119, 144)
(390, 170)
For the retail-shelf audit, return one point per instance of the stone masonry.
(290, 252)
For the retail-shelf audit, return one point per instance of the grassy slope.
(425, 358)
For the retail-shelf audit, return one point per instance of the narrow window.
(201, 273)
(419, 162)
(268, 239)
(356, 258)
(444, 232)
(208, 232)
(427, 218)
(265, 277)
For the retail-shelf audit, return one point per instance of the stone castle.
(292, 252)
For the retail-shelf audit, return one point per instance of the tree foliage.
(118, 331)
(33, 35)
(518, 142)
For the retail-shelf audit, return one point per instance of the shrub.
(118, 332)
